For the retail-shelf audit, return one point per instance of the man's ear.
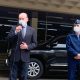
(27, 19)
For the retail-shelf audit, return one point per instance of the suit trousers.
(73, 69)
(18, 69)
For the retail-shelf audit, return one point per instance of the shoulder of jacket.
(30, 27)
(71, 35)
(13, 27)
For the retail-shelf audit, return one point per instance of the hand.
(77, 57)
(18, 29)
(23, 45)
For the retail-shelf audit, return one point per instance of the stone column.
(34, 21)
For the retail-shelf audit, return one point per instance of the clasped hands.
(77, 57)
(23, 45)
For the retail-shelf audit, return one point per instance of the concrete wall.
(40, 5)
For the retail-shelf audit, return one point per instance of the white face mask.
(21, 22)
(76, 29)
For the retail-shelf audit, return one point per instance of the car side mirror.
(53, 44)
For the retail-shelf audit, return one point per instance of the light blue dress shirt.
(23, 31)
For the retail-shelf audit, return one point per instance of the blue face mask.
(21, 22)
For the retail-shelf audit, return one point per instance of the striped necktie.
(23, 32)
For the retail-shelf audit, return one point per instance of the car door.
(60, 52)
(4, 30)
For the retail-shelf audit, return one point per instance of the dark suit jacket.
(73, 44)
(16, 39)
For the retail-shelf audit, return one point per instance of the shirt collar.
(25, 26)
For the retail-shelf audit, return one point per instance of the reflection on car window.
(60, 42)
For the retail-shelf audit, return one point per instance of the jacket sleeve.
(33, 43)
(71, 51)
(12, 38)
(12, 34)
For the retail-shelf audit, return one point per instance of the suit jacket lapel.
(27, 32)
(20, 36)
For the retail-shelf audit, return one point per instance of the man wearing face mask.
(23, 38)
(73, 51)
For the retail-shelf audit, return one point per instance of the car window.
(60, 43)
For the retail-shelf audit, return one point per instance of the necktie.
(23, 31)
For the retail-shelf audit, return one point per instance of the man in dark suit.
(23, 38)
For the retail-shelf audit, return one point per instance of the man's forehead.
(22, 15)
(76, 24)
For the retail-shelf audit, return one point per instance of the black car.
(50, 58)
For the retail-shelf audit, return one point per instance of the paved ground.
(5, 78)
